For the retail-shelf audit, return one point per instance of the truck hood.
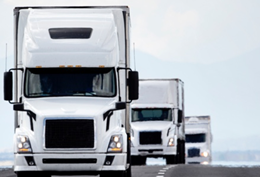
(151, 125)
(69, 106)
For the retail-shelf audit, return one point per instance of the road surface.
(180, 171)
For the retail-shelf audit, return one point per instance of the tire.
(129, 171)
(171, 159)
(113, 174)
(178, 158)
(180, 152)
(183, 152)
(138, 160)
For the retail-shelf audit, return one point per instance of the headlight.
(115, 144)
(171, 142)
(204, 154)
(23, 144)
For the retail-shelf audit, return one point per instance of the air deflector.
(70, 33)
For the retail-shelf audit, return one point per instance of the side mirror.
(133, 85)
(8, 86)
(180, 116)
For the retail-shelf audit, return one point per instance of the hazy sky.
(213, 46)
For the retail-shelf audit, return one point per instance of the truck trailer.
(71, 88)
(157, 121)
(198, 140)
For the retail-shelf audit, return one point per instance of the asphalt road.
(181, 171)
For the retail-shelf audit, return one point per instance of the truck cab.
(198, 140)
(157, 121)
(71, 88)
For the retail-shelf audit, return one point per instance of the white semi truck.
(71, 87)
(198, 139)
(157, 121)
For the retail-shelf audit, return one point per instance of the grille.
(150, 138)
(193, 152)
(68, 133)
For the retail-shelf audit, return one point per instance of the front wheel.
(138, 160)
(180, 151)
(171, 159)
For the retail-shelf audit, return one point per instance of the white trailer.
(157, 121)
(198, 139)
(71, 86)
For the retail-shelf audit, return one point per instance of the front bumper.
(70, 162)
(198, 160)
(153, 151)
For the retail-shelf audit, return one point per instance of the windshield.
(196, 138)
(151, 115)
(44, 82)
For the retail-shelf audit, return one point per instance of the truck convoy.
(157, 121)
(71, 88)
(198, 140)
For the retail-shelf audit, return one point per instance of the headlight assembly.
(115, 144)
(204, 154)
(171, 142)
(23, 144)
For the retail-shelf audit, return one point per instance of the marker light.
(23, 144)
(115, 144)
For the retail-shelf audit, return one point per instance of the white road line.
(161, 173)
(159, 176)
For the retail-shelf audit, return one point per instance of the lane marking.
(162, 172)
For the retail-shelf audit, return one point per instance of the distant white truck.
(198, 140)
(72, 91)
(157, 121)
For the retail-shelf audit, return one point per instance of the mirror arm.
(20, 107)
(16, 69)
(119, 106)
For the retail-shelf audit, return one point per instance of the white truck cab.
(71, 87)
(157, 121)
(198, 140)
